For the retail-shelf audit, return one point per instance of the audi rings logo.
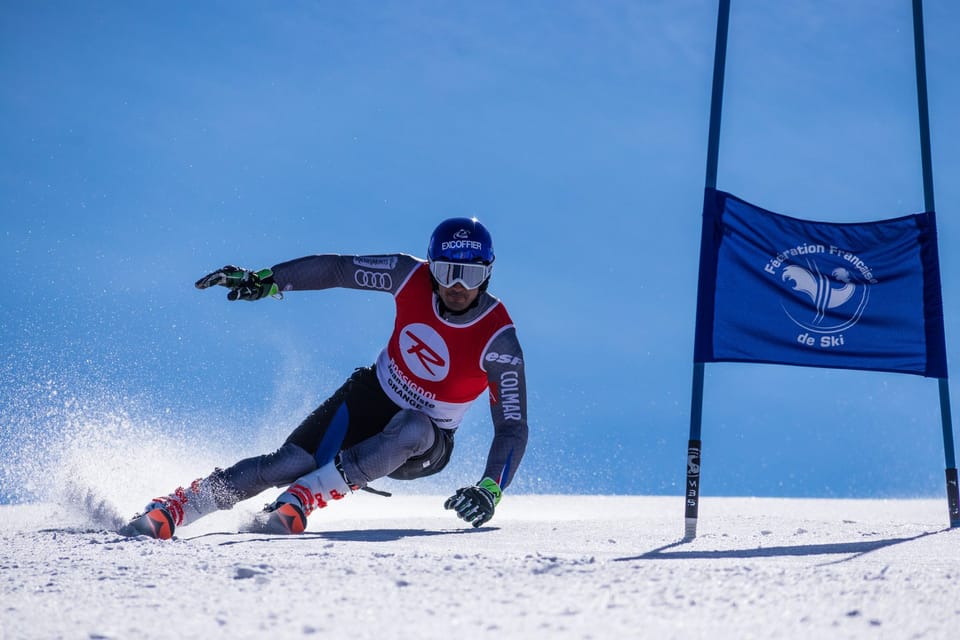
(373, 279)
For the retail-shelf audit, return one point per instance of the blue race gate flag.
(781, 290)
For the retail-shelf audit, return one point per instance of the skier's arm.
(375, 272)
(503, 361)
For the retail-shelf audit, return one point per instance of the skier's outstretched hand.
(243, 283)
(477, 503)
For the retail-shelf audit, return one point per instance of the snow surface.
(557, 566)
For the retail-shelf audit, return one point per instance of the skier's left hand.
(476, 504)
(243, 283)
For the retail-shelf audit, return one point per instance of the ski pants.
(372, 436)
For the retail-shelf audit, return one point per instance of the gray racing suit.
(501, 357)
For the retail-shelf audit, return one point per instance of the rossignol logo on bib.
(424, 352)
(826, 291)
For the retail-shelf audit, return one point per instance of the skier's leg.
(409, 446)
(222, 489)
(355, 411)
(408, 435)
(431, 461)
(252, 476)
(288, 513)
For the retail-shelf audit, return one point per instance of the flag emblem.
(824, 300)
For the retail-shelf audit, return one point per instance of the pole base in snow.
(692, 498)
(953, 498)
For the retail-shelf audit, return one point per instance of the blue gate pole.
(953, 496)
(692, 499)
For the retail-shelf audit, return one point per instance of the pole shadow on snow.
(854, 549)
(356, 535)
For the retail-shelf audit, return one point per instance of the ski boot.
(287, 515)
(163, 515)
(279, 518)
(155, 523)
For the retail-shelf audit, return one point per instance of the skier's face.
(457, 297)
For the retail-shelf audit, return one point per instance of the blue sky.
(148, 143)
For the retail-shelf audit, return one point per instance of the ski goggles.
(470, 275)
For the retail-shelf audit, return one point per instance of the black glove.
(243, 283)
(476, 504)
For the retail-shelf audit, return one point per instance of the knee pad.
(412, 431)
(431, 461)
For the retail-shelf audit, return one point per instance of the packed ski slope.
(547, 567)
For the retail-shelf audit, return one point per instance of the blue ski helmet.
(461, 240)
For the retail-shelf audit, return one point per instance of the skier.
(451, 341)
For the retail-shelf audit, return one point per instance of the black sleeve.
(385, 272)
(503, 361)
